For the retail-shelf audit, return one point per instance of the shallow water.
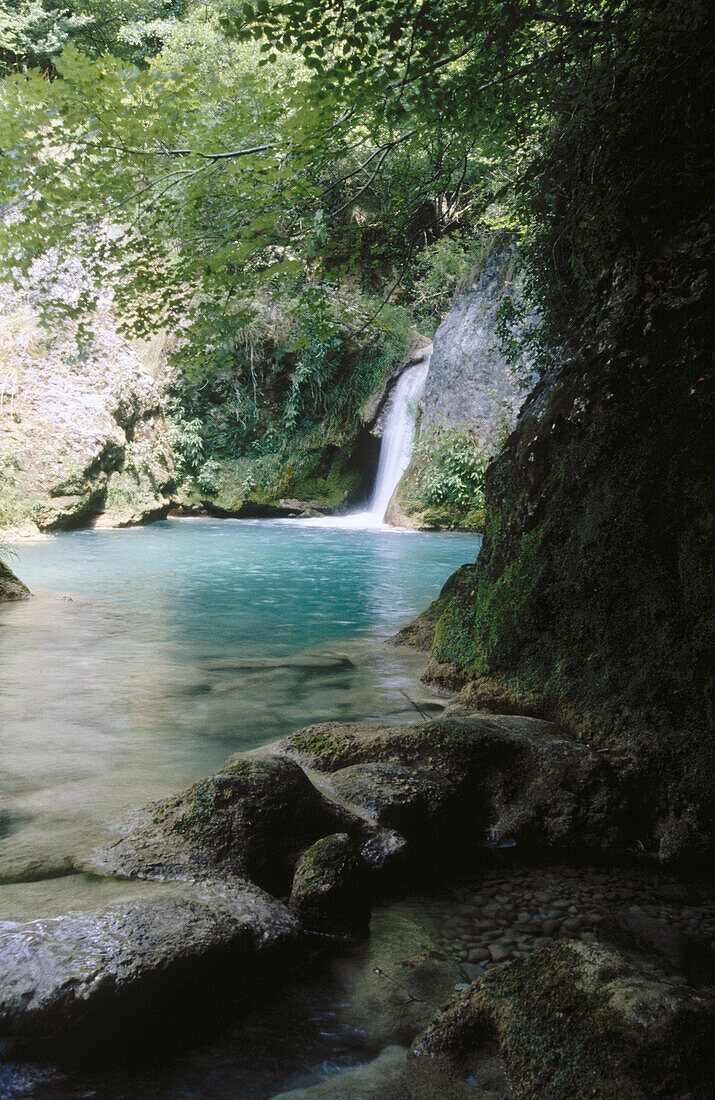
(150, 655)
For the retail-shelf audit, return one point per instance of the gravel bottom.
(511, 911)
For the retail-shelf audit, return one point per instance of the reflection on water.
(150, 655)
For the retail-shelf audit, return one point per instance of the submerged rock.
(252, 819)
(397, 981)
(330, 892)
(661, 943)
(382, 1079)
(130, 960)
(570, 1020)
(11, 587)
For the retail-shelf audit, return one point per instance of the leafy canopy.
(271, 144)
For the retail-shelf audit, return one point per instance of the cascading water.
(398, 437)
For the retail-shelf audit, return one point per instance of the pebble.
(497, 952)
(515, 910)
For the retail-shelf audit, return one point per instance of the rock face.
(570, 1020)
(593, 589)
(469, 381)
(129, 961)
(81, 427)
(11, 588)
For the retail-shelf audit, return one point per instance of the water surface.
(150, 655)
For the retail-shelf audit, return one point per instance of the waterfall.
(398, 436)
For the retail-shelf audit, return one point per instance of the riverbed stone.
(128, 962)
(572, 1019)
(330, 892)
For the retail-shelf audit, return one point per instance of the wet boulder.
(123, 968)
(252, 819)
(330, 892)
(11, 587)
(572, 1019)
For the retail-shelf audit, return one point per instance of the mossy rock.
(571, 1020)
(330, 892)
(593, 590)
(252, 819)
(11, 587)
(474, 781)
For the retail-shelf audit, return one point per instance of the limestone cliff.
(593, 591)
(90, 436)
(82, 432)
(470, 382)
(471, 400)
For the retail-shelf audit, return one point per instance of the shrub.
(455, 475)
(207, 477)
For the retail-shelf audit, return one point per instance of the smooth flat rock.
(78, 971)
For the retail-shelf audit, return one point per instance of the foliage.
(443, 485)
(289, 371)
(186, 439)
(33, 33)
(456, 475)
(224, 154)
(347, 140)
(7, 552)
(438, 271)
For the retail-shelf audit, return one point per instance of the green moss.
(593, 589)
(317, 741)
(557, 1038)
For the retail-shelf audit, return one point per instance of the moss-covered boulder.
(453, 786)
(330, 892)
(11, 587)
(252, 819)
(571, 1020)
